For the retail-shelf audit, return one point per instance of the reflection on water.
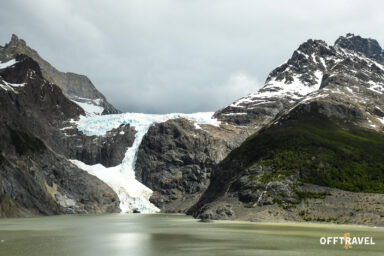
(147, 235)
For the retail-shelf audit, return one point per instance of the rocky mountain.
(313, 65)
(108, 150)
(308, 146)
(302, 74)
(366, 46)
(35, 178)
(171, 153)
(318, 155)
(175, 160)
(76, 87)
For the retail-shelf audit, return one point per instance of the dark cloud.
(180, 55)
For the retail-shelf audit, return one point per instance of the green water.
(169, 235)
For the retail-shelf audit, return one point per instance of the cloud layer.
(160, 56)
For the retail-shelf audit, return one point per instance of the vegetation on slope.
(321, 152)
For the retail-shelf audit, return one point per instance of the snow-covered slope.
(90, 106)
(302, 75)
(133, 195)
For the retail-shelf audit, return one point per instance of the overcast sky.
(159, 56)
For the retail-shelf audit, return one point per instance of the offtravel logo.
(347, 241)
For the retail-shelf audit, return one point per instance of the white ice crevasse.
(132, 194)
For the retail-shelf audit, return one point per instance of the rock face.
(31, 103)
(34, 178)
(367, 46)
(108, 150)
(175, 160)
(73, 85)
(320, 157)
(36, 181)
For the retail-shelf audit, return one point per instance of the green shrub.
(321, 152)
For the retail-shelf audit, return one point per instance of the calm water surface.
(169, 235)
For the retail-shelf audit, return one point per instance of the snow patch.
(377, 88)
(319, 77)
(5, 87)
(323, 62)
(349, 89)
(235, 114)
(14, 85)
(7, 64)
(9, 86)
(90, 106)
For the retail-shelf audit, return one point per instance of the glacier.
(133, 195)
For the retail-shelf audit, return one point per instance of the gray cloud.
(162, 56)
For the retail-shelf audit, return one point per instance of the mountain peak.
(367, 46)
(313, 66)
(15, 40)
(73, 85)
(311, 45)
(14, 37)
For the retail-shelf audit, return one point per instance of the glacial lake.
(168, 235)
